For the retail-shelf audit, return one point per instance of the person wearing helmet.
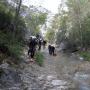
(32, 48)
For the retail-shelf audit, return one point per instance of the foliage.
(85, 55)
(15, 18)
(39, 58)
(74, 23)
(52, 29)
(34, 21)
(13, 45)
(77, 15)
(11, 41)
(62, 30)
(50, 35)
(86, 31)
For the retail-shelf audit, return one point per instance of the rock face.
(9, 78)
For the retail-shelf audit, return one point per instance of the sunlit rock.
(58, 82)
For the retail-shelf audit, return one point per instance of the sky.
(51, 5)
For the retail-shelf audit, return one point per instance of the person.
(51, 49)
(39, 45)
(44, 44)
(32, 48)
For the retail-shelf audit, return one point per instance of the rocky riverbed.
(61, 72)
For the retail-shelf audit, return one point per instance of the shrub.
(10, 46)
(39, 58)
(85, 55)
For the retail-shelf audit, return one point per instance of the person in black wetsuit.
(32, 48)
(39, 44)
(51, 50)
(44, 43)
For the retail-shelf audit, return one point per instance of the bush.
(10, 46)
(39, 58)
(15, 50)
(85, 55)
(12, 32)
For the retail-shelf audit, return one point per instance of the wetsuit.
(44, 44)
(32, 48)
(39, 44)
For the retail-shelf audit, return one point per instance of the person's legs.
(50, 49)
(33, 53)
(53, 52)
(28, 51)
(32, 56)
(39, 47)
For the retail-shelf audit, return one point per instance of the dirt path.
(65, 72)
(73, 70)
(61, 72)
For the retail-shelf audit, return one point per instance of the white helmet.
(33, 37)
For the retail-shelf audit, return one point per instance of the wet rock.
(14, 88)
(50, 77)
(81, 58)
(58, 82)
(41, 77)
(83, 80)
(84, 87)
(60, 88)
(81, 76)
(4, 65)
(9, 79)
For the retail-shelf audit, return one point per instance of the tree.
(10, 45)
(72, 24)
(35, 20)
(50, 36)
(78, 10)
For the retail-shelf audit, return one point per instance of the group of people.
(36, 44)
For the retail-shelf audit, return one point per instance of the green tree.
(78, 10)
(34, 21)
(50, 35)
(9, 45)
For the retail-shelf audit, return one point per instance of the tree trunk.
(16, 18)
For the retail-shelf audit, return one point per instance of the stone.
(14, 88)
(81, 58)
(58, 82)
(4, 65)
(60, 88)
(49, 78)
(41, 77)
(81, 76)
